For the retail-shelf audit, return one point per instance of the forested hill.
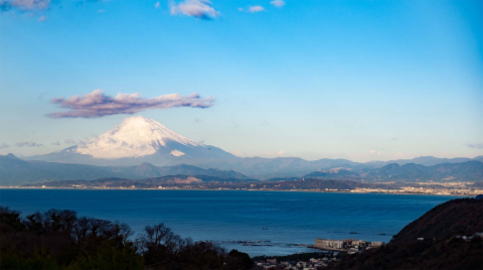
(446, 237)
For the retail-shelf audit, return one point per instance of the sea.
(256, 222)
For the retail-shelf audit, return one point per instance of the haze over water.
(274, 220)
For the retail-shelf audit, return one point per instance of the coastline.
(455, 193)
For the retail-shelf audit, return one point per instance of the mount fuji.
(139, 140)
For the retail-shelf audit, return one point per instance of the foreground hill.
(446, 237)
(59, 239)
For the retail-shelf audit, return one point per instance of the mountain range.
(15, 171)
(143, 148)
(471, 171)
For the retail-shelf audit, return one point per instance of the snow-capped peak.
(134, 137)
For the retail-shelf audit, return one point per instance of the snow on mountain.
(177, 153)
(134, 137)
(137, 140)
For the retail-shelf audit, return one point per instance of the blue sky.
(364, 80)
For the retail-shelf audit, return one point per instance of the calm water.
(275, 220)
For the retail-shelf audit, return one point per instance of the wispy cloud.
(201, 9)
(97, 104)
(72, 141)
(475, 145)
(277, 3)
(375, 152)
(255, 9)
(24, 4)
(34, 6)
(157, 4)
(4, 145)
(28, 144)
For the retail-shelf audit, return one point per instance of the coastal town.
(306, 185)
(330, 252)
(310, 261)
(350, 246)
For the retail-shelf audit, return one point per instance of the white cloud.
(201, 9)
(28, 144)
(280, 153)
(37, 5)
(475, 145)
(255, 9)
(26, 4)
(277, 3)
(73, 142)
(375, 152)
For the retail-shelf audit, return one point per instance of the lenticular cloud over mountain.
(97, 104)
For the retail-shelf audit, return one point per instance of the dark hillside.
(456, 217)
(59, 239)
(443, 238)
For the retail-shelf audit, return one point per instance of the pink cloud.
(97, 104)
(254, 9)
(24, 4)
(201, 9)
(277, 3)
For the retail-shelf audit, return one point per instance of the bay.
(256, 222)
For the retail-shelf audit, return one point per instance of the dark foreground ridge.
(58, 239)
(449, 236)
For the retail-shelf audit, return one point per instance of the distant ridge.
(471, 171)
(424, 160)
(15, 171)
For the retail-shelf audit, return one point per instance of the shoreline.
(355, 191)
